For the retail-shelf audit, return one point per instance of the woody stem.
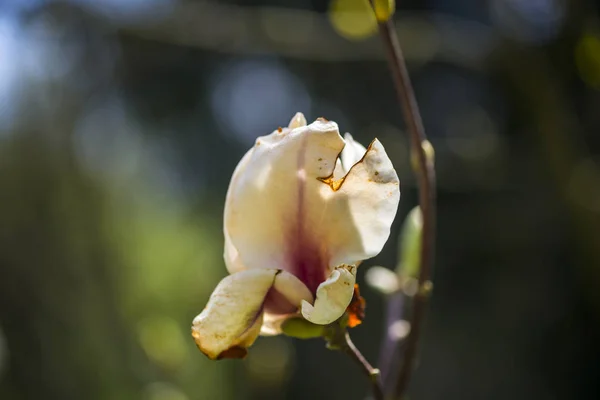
(425, 173)
(372, 373)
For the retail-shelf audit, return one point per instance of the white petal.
(230, 254)
(275, 198)
(364, 205)
(333, 297)
(289, 290)
(297, 121)
(236, 310)
(271, 325)
(284, 210)
(353, 152)
(233, 316)
(292, 288)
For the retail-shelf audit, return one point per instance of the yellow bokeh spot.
(384, 9)
(587, 57)
(353, 19)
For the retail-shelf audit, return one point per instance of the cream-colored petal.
(233, 316)
(292, 288)
(271, 325)
(297, 121)
(333, 297)
(338, 172)
(353, 152)
(230, 254)
(363, 206)
(289, 290)
(285, 210)
(274, 201)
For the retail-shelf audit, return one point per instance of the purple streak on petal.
(306, 259)
(276, 303)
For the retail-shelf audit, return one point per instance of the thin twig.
(372, 373)
(425, 173)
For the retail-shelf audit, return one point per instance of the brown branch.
(372, 373)
(425, 173)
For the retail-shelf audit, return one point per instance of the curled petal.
(353, 152)
(297, 121)
(292, 289)
(233, 316)
(237, 310)
(232, 319)
(283, 301)
(333, 297)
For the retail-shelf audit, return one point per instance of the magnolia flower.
(303, 209)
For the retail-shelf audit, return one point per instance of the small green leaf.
(302, 329)
(410, 244)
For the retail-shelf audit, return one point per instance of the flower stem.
(372, 373)
(425, 173)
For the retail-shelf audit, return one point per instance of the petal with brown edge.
(232, 319)
(283, 211)
(274, 198)
(363, 206)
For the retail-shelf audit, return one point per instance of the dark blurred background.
(121, 122)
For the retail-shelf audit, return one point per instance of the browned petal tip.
(335, 185)
(233, 353)
(322, 119)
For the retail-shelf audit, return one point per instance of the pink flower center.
(307, 263)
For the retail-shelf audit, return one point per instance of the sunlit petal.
(352, 153)
(272, 323)
(274, 205)
(230, 254)
(231, 320)
(285, 209)
(297, 121)
(362, 207)
(333, 296)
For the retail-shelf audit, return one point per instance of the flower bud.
(409, 245)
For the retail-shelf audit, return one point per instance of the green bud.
(409, 245)
(301, 329)
(429, 156)
(429, 152)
